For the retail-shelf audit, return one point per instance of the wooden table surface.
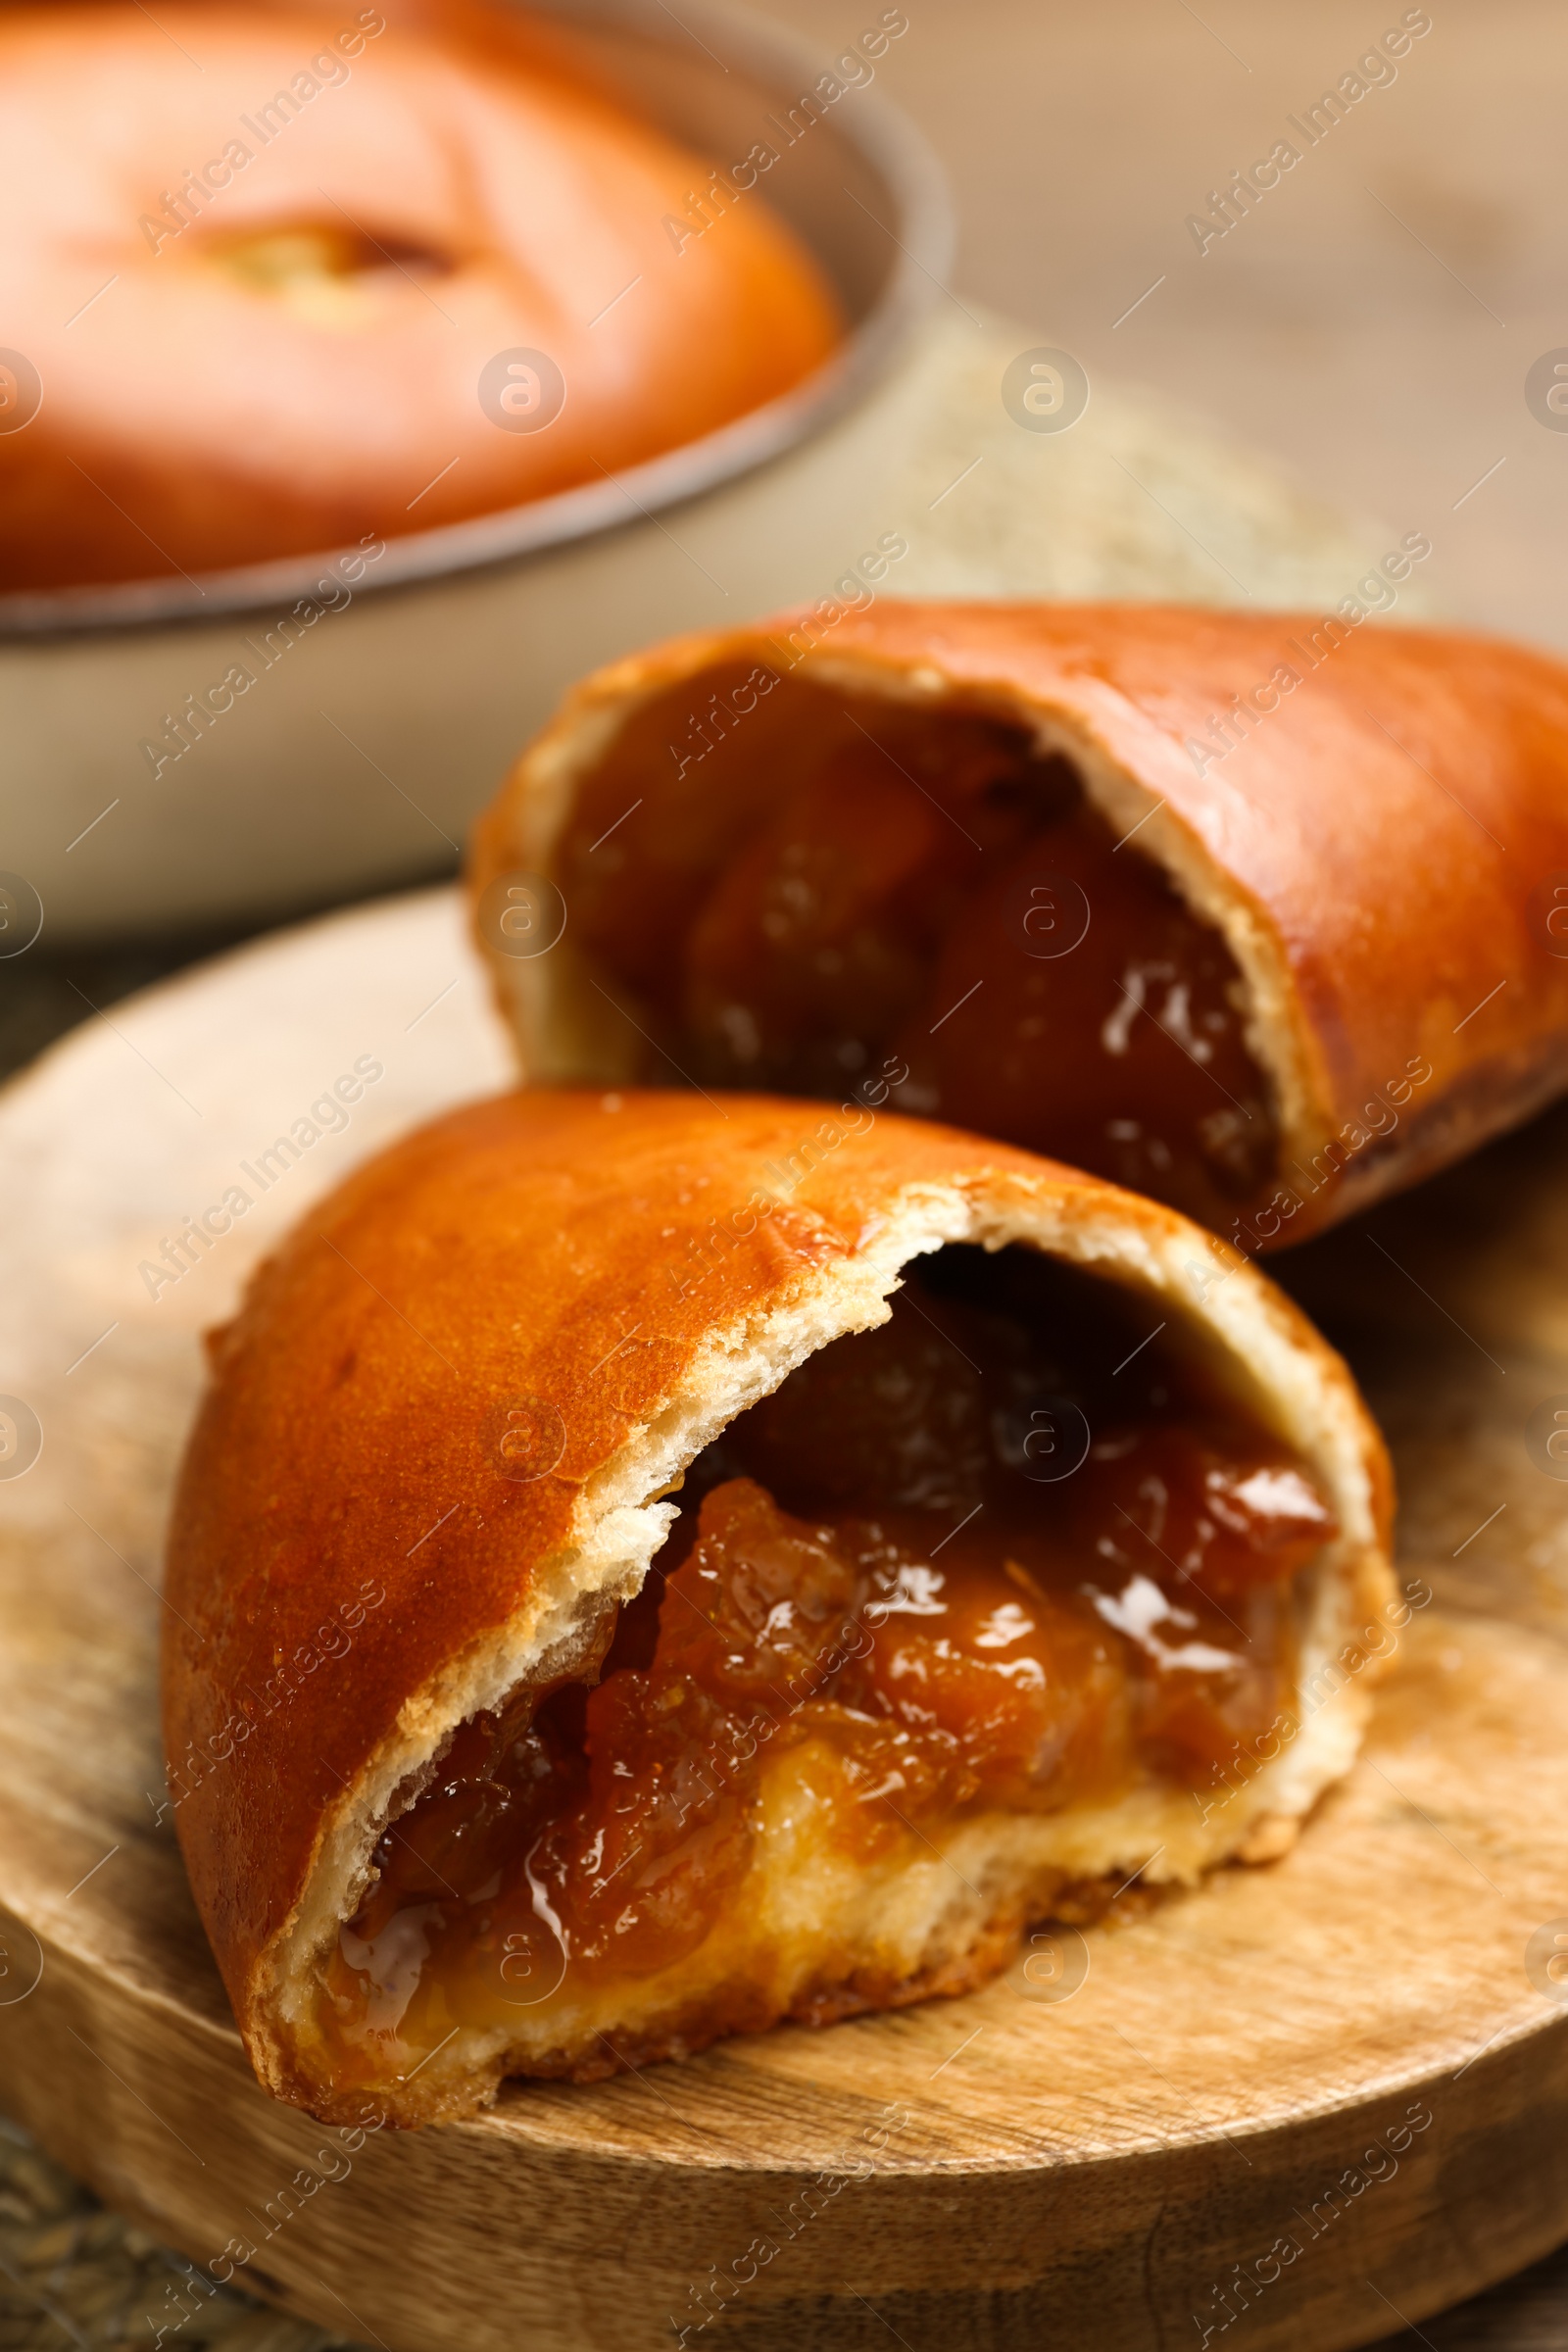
(1372, 322)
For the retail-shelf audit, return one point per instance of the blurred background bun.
(288, 276)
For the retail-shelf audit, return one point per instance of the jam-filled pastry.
(647, 1569)
(281, 279)
(1265, 916)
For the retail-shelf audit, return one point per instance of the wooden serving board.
(1295, 2108)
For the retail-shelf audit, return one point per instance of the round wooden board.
(1338, 2073)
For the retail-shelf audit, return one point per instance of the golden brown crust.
(435, 1428)
(1378, 846)
(228, 401)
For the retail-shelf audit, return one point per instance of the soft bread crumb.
(1270, 1836)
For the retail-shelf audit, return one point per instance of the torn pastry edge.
(563, 1038)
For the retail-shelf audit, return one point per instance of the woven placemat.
(1135, 498)
(72, 2273)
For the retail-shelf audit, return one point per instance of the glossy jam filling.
(980, 1569)
(924, 890)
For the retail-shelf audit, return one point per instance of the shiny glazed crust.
(196, 418)
(355, 1564)
(1376, 842)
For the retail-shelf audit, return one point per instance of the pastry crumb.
(1270, 1836)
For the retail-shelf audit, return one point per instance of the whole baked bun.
(267, 273)
(645, 1569)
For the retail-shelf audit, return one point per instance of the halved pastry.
(1263, 915)
(644, 1570)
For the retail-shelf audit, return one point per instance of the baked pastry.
(349, 278)
(1253, 913)
(607, 1611)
